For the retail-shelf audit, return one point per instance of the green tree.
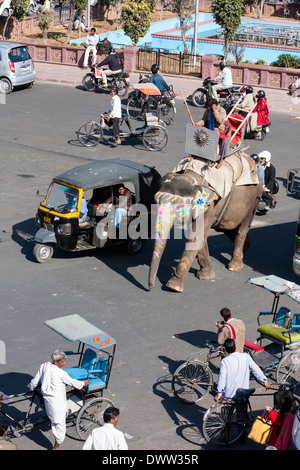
(19, 9)
(44, 23)
(183, 9)
(136, 18)
(75, 5)
(227, 14)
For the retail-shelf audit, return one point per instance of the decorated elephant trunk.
(174, 211)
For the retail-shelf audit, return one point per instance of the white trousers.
(106, 73)
(87, 54)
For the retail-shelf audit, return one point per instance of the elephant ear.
(200, 202)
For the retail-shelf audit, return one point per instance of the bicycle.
(139, 104)
(193, 379)
(154, 133)
(227, 421)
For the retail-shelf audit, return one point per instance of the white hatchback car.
(16, 66)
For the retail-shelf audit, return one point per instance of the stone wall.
(263, 76)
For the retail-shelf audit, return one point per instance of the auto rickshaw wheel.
(90, 416)
(42, 253)
(135, 246)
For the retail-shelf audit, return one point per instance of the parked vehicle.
(16, 66)
(294, 88)
(226, 97)
(93, 80)
(58, 216)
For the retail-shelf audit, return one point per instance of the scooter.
(259, 133)
(93, 80)
(263, 207)
(227, 97)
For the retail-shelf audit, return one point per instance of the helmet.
(260, 94)
(223, 64)
(255, 157)
(265, 154)
(249, 89)
(154, 68)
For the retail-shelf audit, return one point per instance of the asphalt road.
(155, 331)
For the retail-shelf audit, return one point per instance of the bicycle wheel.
(192, 381)
(288, 369)
(166, 112)
(88, 82)
(90, 134)
(224, 423)
(134, 107)
(155, 138)
(90, 416)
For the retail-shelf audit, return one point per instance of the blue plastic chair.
(87, 365)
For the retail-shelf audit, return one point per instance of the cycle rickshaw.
(95, 352)
(193, 379)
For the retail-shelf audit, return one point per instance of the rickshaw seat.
(278, 317)
(279, 334)
(99, 376)
(87, 364)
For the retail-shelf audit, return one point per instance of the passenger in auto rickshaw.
(120, 199)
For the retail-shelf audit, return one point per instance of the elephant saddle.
(238, 169)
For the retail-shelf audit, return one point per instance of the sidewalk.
(66, 74)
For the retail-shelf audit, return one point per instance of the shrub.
(287, 60)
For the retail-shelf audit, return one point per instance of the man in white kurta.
(107, 437)
(53, 380)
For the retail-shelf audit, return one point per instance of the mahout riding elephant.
(231, 215)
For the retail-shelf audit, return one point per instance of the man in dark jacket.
(113, 63)
(270, 176)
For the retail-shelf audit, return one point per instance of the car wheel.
(5, 86)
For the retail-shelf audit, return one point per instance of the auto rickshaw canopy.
(114, 171)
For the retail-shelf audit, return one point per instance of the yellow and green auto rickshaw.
(62, 222)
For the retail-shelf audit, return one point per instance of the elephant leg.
(241, 243)
(206, 270)
(177, 281)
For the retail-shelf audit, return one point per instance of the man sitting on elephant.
(214, 117)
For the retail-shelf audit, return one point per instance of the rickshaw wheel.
(42, 253)
(192, 381)
(288, 369)
(155, 138)
(90, 416)
(89, 134)
(134, 107)
(135, 246)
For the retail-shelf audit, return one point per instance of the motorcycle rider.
(114, 66)
(158, 80)
(260, 114)
(248, 101)
(224, 78)
(269, 183)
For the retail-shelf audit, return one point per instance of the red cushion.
(254, 346)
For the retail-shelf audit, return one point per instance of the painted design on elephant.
(174, 209)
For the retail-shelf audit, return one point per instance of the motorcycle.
(93, 80)
(226, 97)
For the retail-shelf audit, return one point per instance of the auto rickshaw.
(59, 220)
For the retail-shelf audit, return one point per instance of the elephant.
(232, 215)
